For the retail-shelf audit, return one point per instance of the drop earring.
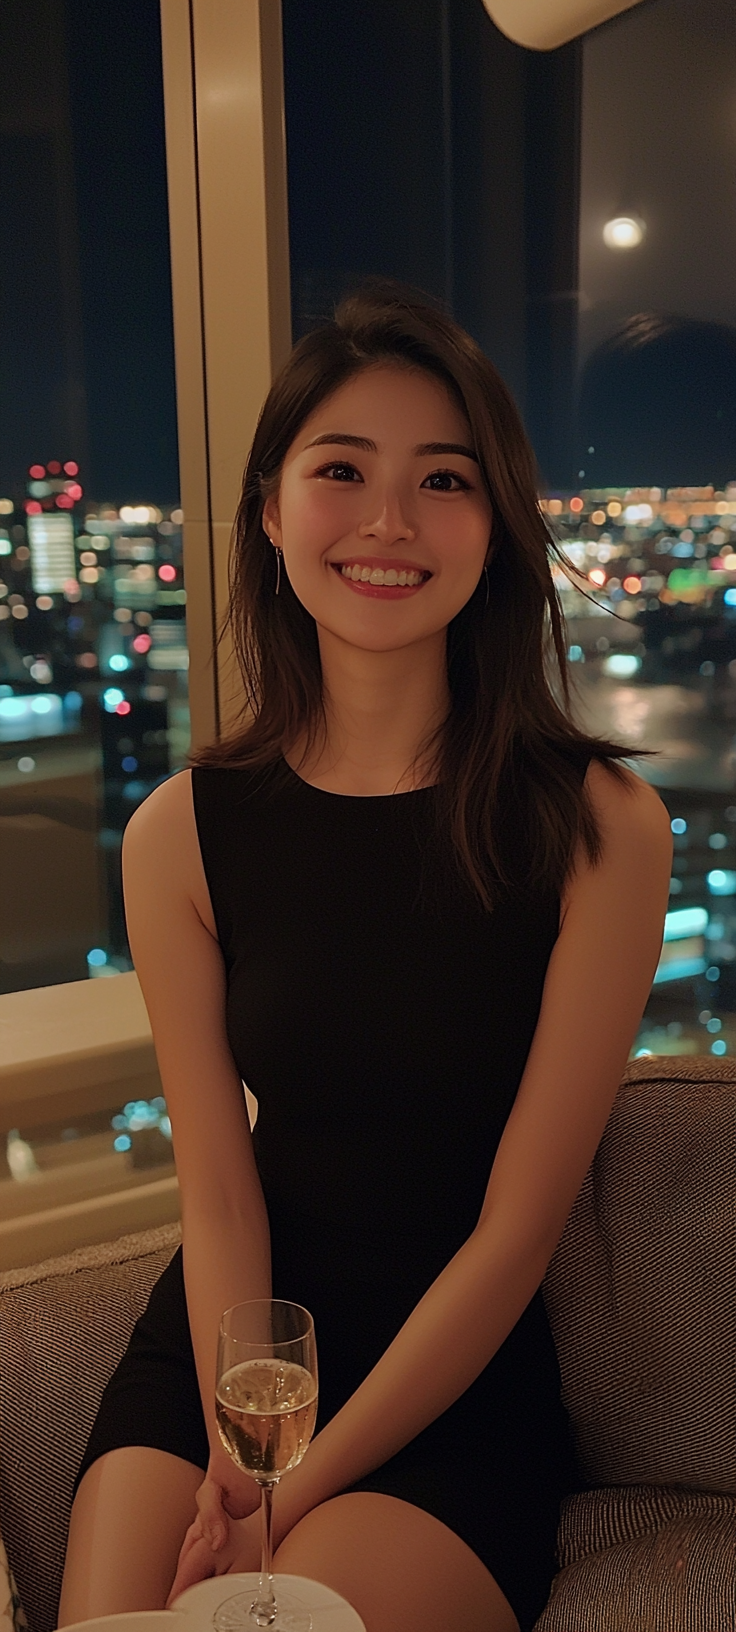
(278, 565)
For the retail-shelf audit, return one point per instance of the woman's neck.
(381, 707)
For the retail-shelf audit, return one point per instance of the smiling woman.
(390, 442)
(389, 905)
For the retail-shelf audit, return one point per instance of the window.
(649, 514)
(93, 650)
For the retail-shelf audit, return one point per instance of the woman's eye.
(446, 481)
(341, 472)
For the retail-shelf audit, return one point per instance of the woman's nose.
(390, 521)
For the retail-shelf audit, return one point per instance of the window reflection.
(93, 658)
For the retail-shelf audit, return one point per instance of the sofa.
(641, 1296)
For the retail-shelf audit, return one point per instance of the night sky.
(384, 176)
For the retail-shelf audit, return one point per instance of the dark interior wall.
(118, 136)
(488, 179)
(86, 338)
(364, 89)
(42, 390)
(423, 144)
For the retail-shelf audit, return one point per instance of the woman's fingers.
(198, 1564)
(213, 1519)
(194, 1534)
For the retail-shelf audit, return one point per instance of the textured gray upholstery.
(63, 1327)
(641, 1298)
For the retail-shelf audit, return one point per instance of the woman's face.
(382, 479)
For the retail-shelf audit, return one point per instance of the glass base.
(236, 1614)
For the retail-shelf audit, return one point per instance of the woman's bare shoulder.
(636, 838)
(161, 845)
(627, 806)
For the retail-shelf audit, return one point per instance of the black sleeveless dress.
(383, 1019)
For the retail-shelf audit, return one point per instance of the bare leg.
(129, 1519)
(399, 1567)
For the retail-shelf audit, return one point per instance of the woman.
(418, 911)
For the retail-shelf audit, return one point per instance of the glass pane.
(653, 521)
(93, 652)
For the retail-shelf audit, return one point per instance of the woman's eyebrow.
(445, 447)
(425, 449)
(345, 440)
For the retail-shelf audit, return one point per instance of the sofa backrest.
(63, 1326)
(641, 1292)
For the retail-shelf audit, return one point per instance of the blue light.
(111, 698)
(97, 957)
(118, 662)
(719, 1047)
(118, 1123)
(713, 972)
(622, 665)
(685, 921)
(721, 881)
(129, 763)
(681, 969)
(123, 1142)
(678, 825)
(730, 597)
(575, 654)
(41, 705)
(714, 1024)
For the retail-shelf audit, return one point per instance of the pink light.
(123, 708)
(32, 507)
(168, 573)
(142, 643)
(53, 467)
(74, 490)
(576, 505)
(71, 468)
(632, 585)
(64, 501)
(37, 472)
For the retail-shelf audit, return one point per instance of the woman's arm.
(179, 964)
(597, 984)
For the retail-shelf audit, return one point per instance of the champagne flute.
(266, 1406)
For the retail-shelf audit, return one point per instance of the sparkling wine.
(266, 1411)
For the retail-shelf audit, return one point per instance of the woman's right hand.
(225, 1496)
(225, 1493)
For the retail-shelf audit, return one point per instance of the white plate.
(329, 1612)
(137, 1620)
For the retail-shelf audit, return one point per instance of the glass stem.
(263, 1611)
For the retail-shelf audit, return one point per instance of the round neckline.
(354, 798)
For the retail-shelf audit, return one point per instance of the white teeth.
(376, 575)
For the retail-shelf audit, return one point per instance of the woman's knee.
(402, 1569)
(129, 1518)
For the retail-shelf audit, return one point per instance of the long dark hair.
(507, 759)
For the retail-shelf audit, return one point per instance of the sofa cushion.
(641, 1292)
(644, 1560)
(63, 1326)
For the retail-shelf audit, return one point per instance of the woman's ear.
(270, 520)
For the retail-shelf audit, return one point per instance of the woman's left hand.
(199, 1562)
